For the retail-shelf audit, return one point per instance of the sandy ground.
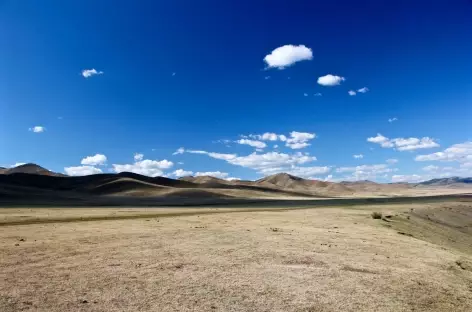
(323, 259)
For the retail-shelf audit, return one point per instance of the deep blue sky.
(414, 56)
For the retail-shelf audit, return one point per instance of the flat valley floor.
(418, 257)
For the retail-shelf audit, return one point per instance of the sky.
(329, 90)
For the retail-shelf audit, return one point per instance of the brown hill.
(30, 169)
(287, 181)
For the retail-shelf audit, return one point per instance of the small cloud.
(60, 118)
(267, 77)
(318, 94)
(330, 80)
(276, 146)
(288, 78)
(37, 129)
(305, 94)
(86, 73)
(351, 92)
(392, 119)
(97, 159)
(17, 164)
(82, 170)
(363, 90)
(180, 150)
(173, 74)
(181, 173)
(253, 143)
(358, 156)
(287, 55)
(138, 157)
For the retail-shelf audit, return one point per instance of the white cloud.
(318, 94)
(413, 178)
(305, 94)
(351, 92)
(233, 179)
(253, 143)
(86, 73)
(81, 170)
(363, 90)
(267, 136)
(145, 167)
(138, 157)
(330, 80)
(181, 173)
(173, 74)
(358, 156)
(287, 55)
(461, 152)
(180, 150)
(403, 144)
(267, 77)
(392, 161)
(299, 140)
(390, 120)
(37, 129)
(215, 174)
(276, 146)
(97, 159)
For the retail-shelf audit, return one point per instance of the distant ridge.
(30, 183)
(447, 181)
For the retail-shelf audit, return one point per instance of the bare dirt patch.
(324, 259)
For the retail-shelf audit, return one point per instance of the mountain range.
(30, 182)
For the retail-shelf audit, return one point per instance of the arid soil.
(418, 257)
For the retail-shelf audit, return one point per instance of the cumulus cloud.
(37, 129)
(461, 152)
(138, 157)
(215, 174)
(390, 120)
(403, 144)
(268, 163)
(351, 92)
(299, 140)
(81, 170)
(180, 150)
(330, 80)
(146, 167)
(358, 156)
(253, 143)
(181, 173)
(287, 55)
(97, 159)
(86, 73)
(295, 140)
(318, 94)
(363, 90)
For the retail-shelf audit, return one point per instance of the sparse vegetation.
(376, 215)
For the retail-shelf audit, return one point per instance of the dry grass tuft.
(376, 215)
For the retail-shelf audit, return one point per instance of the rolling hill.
(32, 183)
